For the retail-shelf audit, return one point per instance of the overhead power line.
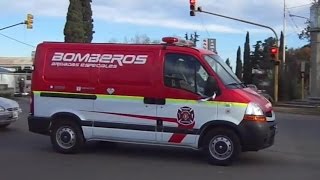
(300, 6)
(21, 42)
(296, 28)
(202, 23)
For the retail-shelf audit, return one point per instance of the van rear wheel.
(66, 137)
(222, 146)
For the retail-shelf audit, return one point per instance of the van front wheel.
(222, 146)
(66, 137)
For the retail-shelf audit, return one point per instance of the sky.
(117, 20)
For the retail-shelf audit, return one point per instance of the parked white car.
(9, 111)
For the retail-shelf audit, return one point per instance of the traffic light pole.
(241, 20)
(11, 26)
(276, 68)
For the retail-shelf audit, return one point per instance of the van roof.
(160, 45)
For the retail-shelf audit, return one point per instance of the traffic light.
(205, 44)
(274, 53)
(29, 21)
(192, 7)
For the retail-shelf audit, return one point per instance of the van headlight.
(254, 113)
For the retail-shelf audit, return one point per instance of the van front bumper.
(257, 135)
(39, 125)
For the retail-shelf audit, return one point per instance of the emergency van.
(167, 94)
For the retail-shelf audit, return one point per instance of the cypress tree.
(281, 47)
(239, 64)
(228, 63)
(247, 66)
(73, 29)
(87, 20)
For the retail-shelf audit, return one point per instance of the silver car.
(9, 111)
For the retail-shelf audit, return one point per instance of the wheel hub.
(221, 147)
(66, 137)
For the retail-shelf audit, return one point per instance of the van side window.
(184, 72)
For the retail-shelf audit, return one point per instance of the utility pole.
(315, 51)
(284, 35)
(284, 69)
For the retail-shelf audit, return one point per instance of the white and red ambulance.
(160, 94)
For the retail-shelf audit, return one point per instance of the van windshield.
(224, 71)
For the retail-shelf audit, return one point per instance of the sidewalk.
(298, 107)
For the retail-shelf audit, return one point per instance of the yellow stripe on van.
(234, 104)
(140, 98)
(116, 97)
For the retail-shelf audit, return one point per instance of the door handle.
(147, 100)
(157, 101)
(161, 101)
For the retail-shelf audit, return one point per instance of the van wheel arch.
(209, 126)
(67, 116)
(66, 133)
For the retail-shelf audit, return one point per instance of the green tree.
(228, 63)
(73, 30)
(247, 66)
(87, 20)
(305, 33)
(239, 64)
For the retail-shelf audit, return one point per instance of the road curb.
(297, 110)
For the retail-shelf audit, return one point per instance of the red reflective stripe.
(178, 138)
(175, 138)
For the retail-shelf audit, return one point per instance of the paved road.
(295, 155)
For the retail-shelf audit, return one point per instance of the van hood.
(253, 96)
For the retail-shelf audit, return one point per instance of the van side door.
(125, 109)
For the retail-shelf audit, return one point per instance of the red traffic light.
(192, 7)
(274, 50)
(274, 54)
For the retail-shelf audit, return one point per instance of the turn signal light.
(255, 118)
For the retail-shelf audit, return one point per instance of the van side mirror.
(212, 87)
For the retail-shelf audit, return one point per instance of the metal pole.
(284, 34)
(276, 80)
(276, 68)
(302, 85)
(244, 21)
(11, 26)
(284, 66)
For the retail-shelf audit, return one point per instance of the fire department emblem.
(185, 116)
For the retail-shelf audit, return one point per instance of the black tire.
(2, 126)
(225, 146)
(64, 131)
